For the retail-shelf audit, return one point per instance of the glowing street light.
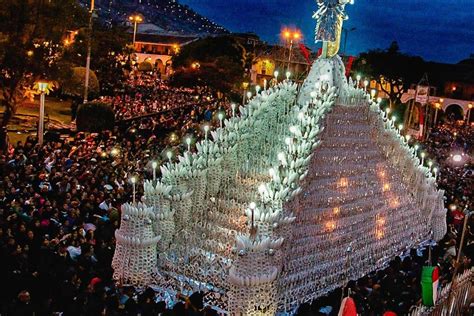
(135, 19)
(291, 37)
(42, 88)
(89, 51)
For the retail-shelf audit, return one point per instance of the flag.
(429, 285)
(348, 307)
(305, 52)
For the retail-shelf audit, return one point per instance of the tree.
(95, 117)
(217, 62)
(110, 55)
(145, 66)
(73, 83)
(31, 45)
(393, 71)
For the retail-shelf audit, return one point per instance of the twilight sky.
(437, 30)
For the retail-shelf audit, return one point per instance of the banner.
(422, 94)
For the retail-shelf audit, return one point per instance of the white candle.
(154, 164)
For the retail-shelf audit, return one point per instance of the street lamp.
(291, 37)
(42, 88)
(89, 50)
(135, 19)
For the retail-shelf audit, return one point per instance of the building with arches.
(462, 107)
(158, 49)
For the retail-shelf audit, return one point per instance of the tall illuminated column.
(89, 49)
(42, 88)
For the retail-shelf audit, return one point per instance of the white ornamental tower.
(135, 258)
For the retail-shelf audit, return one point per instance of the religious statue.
(330, 17)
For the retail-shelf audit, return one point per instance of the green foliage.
(221, 63)
(31, 34)
(145, 66)
(109, 54)
(73, 82)
(392, 69)
(95, 117)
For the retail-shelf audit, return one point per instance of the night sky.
(434, 29)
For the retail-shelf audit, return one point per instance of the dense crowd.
(143, 95)
(59, 208)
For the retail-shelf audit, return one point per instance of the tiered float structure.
(307, 188)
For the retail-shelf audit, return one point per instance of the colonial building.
(158, 49)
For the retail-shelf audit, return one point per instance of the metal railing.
(450, 302)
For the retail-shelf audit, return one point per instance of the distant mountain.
(169, 15)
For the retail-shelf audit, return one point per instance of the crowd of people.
(143, 95)
(59, 208)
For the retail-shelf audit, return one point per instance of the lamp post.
(135, 19)
(89, 49)
(42, 88)
(291, 37)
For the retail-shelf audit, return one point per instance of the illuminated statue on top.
(330, 17)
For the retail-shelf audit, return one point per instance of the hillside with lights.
(169, 15)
